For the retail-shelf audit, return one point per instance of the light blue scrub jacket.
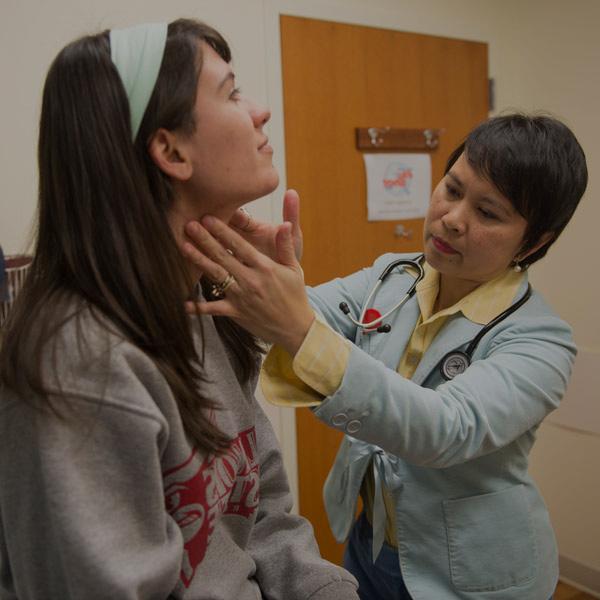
(470, 521)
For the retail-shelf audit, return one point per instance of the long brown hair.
(103, 237)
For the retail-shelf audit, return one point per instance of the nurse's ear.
(169, 155)
(545, 238)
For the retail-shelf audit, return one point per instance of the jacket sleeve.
(82, 503)
(353, 290)
(500, 397)
(288, 563)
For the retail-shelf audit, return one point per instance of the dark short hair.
(537, 163)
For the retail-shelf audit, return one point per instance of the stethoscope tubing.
(511, 309)
(414, 263)
(454, 362)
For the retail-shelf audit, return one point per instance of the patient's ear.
(169, 155)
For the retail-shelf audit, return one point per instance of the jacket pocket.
(491, 544)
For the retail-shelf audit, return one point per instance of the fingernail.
(190, 307)
(208, 220)
(193, 227)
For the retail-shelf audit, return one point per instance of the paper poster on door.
(398, 186)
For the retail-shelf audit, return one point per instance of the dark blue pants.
(379, 581)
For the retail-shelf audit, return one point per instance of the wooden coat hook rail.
(393, 138)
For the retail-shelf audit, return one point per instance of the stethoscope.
(385, 327)
(453, 363)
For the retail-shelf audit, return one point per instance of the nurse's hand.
(267, 297)
(263, 235)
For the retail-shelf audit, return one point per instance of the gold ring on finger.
(217, 290)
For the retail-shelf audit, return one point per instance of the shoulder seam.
(105, 401)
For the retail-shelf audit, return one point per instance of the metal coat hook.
(375, 134)
(431, 138)
(394, 138)
(401, 232)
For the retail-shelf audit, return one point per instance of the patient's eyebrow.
(229, 77)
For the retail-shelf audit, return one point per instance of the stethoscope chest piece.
(453, 364)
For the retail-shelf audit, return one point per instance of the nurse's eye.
(236, 94)
(452, 191)
(486, 214)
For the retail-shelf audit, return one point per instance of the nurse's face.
(229, 151)
(472, 232)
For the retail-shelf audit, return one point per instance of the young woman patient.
(135, 462)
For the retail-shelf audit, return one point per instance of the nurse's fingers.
(213, 271)
(291, 209)
(243, 221)
(243, 251)
(291, 213)
(209, 251)
(218, 308)
(284, 243)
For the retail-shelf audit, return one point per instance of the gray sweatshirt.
(112, 502)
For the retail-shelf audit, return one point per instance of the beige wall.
(543, 54)
(550, 57)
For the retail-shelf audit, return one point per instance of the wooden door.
(338, 77)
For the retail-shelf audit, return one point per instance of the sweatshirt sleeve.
(288, 563)
(82, 503)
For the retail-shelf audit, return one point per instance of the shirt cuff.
(322, 358)
(316, 371)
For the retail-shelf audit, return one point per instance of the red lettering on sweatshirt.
(197, 492)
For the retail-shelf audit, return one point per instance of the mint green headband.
(137, 53)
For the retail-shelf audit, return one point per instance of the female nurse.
(438, 452)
